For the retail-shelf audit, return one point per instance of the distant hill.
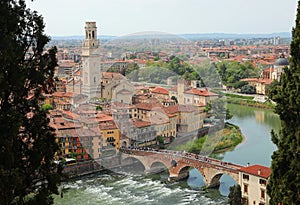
(187, 36)
(234, 36)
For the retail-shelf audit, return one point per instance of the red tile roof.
(103, 118)
(140, 123)
(200, 92)
(173, 109)
(108, 125)
(160, 90)
(265, 172)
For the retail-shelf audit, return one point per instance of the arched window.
(93, 34)
(94, 79)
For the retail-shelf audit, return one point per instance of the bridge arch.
(133, 164)
(159, 163)
(195, 179)
(183, 171)
(215, 179)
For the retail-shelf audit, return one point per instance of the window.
(246, 188)
(262, 182)
(245, 177)
(262, 193)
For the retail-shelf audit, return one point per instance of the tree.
(98, 108)
(174, 98)
(235, 195)
(248, 89)
(47, 107)
(28, 174)
(218, 109)
(284, 182)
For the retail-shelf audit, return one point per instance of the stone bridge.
(179, 163)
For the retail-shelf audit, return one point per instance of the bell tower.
(91, 62)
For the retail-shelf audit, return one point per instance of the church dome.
(281, 62)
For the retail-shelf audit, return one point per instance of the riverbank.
(250, 103)
(216, 142)
(257, 101)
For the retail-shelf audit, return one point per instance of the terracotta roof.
(200, 92)
(160, 90)
(64, 94)
(102, 117)
(60, 123)
(108, 125)
(140, 123)
(71, 115)
(265, 172)
(140, 61)
(171, 109)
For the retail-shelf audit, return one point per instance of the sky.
(123, 17)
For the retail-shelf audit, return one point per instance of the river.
(114, 189)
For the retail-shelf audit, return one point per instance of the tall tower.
(91, 62)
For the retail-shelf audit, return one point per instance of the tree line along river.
(114, 189)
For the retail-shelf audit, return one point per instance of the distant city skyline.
(123, 17)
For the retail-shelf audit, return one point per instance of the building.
(142, 133)
(253, 181)
(164, 123)
(109, 132)
(91, 62)
(187, 95)
(74, 140)
(279, 64)
(260, 84)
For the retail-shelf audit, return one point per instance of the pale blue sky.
(121, 17)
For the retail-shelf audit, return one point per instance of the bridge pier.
(177, 177)
(213, 185)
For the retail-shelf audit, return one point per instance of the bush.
(248, 89)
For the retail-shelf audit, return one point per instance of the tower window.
(93, 34)
(94, 79)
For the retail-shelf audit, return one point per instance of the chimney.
(248, 164)
(259, 171)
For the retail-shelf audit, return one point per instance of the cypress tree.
(28, 174)
(284, 183)
(235, 195)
